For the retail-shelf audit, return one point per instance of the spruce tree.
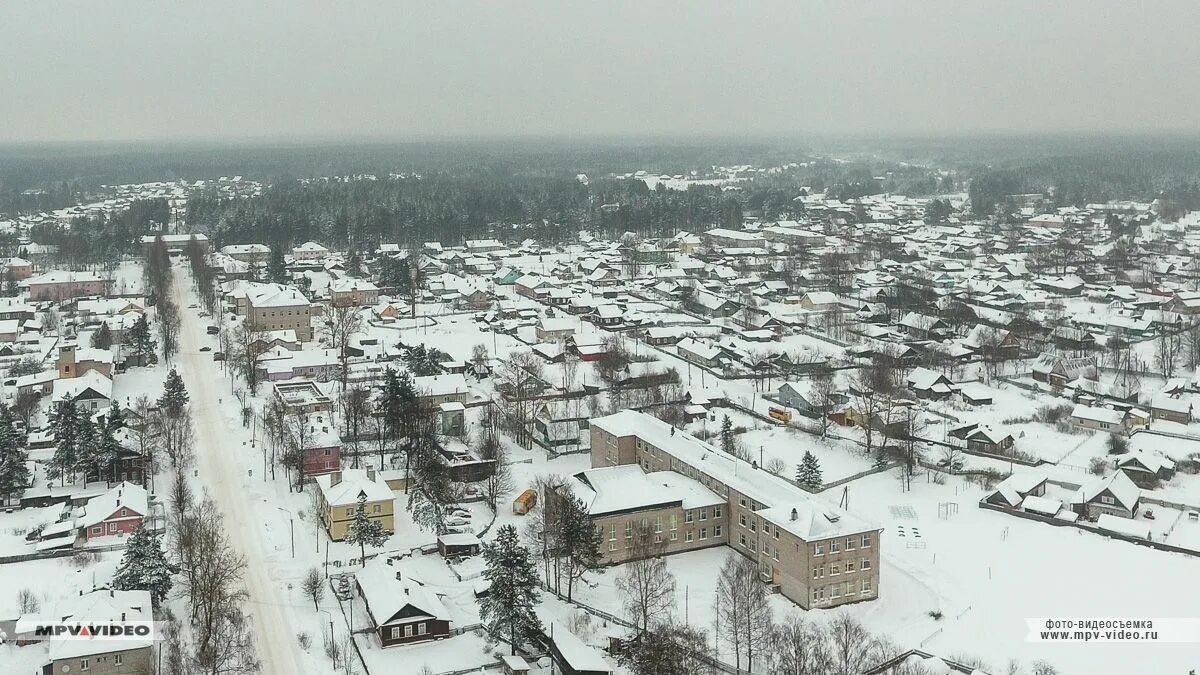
(64, 419)
(808, 473)
(174, 397)
(144, 566)
(102, 338)
(507, 610)
(364, 531)
(14, 473)
(139, 338)
(277, 266)
(727, 443)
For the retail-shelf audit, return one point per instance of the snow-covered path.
(221, 476)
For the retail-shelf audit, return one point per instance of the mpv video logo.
(32, 629)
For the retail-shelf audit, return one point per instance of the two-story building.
(351, 292)
(280, 309)
(625, 502)
(338, 500)
(815, 553)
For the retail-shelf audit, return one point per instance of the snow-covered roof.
(1105, 415)
(624, 488)
(740, 475)
(1120, 485)
(387, 594)
(127, 495)
(97, 607)
(353, 483)
(810, 520)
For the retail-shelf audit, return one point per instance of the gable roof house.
(1173, 408)
(115, 513)
(1116, 495)
(699, 352)
(1145, 469)
(712, 305)
(1057, 370)
(926, 383)
(1012, 491)
(102, 656)
(401, 609)
(986, 439)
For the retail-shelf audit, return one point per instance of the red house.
(401, 610)
(117, 512)
(322, 451)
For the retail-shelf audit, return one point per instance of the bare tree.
(520, 375)
(245, 346)
(299, 436)
(646, 585)
(544, 530)
(743, 613)
(852, 648)
(1167, 346)
(800, 647)
(341, 325)
(823, 392)
(176, 436)
(212, 583)
(169, 325)
(500, 482)
(872, 389)
(230, 650)
(313, 586)
(27, 602)
(356, 408)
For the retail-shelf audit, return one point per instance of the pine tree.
(276, 266)
(175, 396)
(727, 442)
(116, 416)
(581, 541)
(144, 566)
(64, 419)
(102, 338)
(14, 473)
(364, 531)
(507, 610)
(808, 472)
(139, 338)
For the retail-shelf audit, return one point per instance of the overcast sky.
(185, 69)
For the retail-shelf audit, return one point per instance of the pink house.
(322, 451)
(59, 285)
(117, 512)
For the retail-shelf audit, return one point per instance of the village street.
(221, 477)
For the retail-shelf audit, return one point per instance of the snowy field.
(989, 571)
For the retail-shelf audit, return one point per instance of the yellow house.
(338, 496)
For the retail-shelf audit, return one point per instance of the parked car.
(218, 356)
(206, 349)
(212, 330)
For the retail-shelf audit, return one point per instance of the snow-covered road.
(222, 477)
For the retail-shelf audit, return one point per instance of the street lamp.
(291, 528)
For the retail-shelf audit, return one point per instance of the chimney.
(406, 590)
(335, 478)
(795, 514)
(325, 430)
(371, 473)
(122, 616)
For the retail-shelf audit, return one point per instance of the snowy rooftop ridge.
(777, 494)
